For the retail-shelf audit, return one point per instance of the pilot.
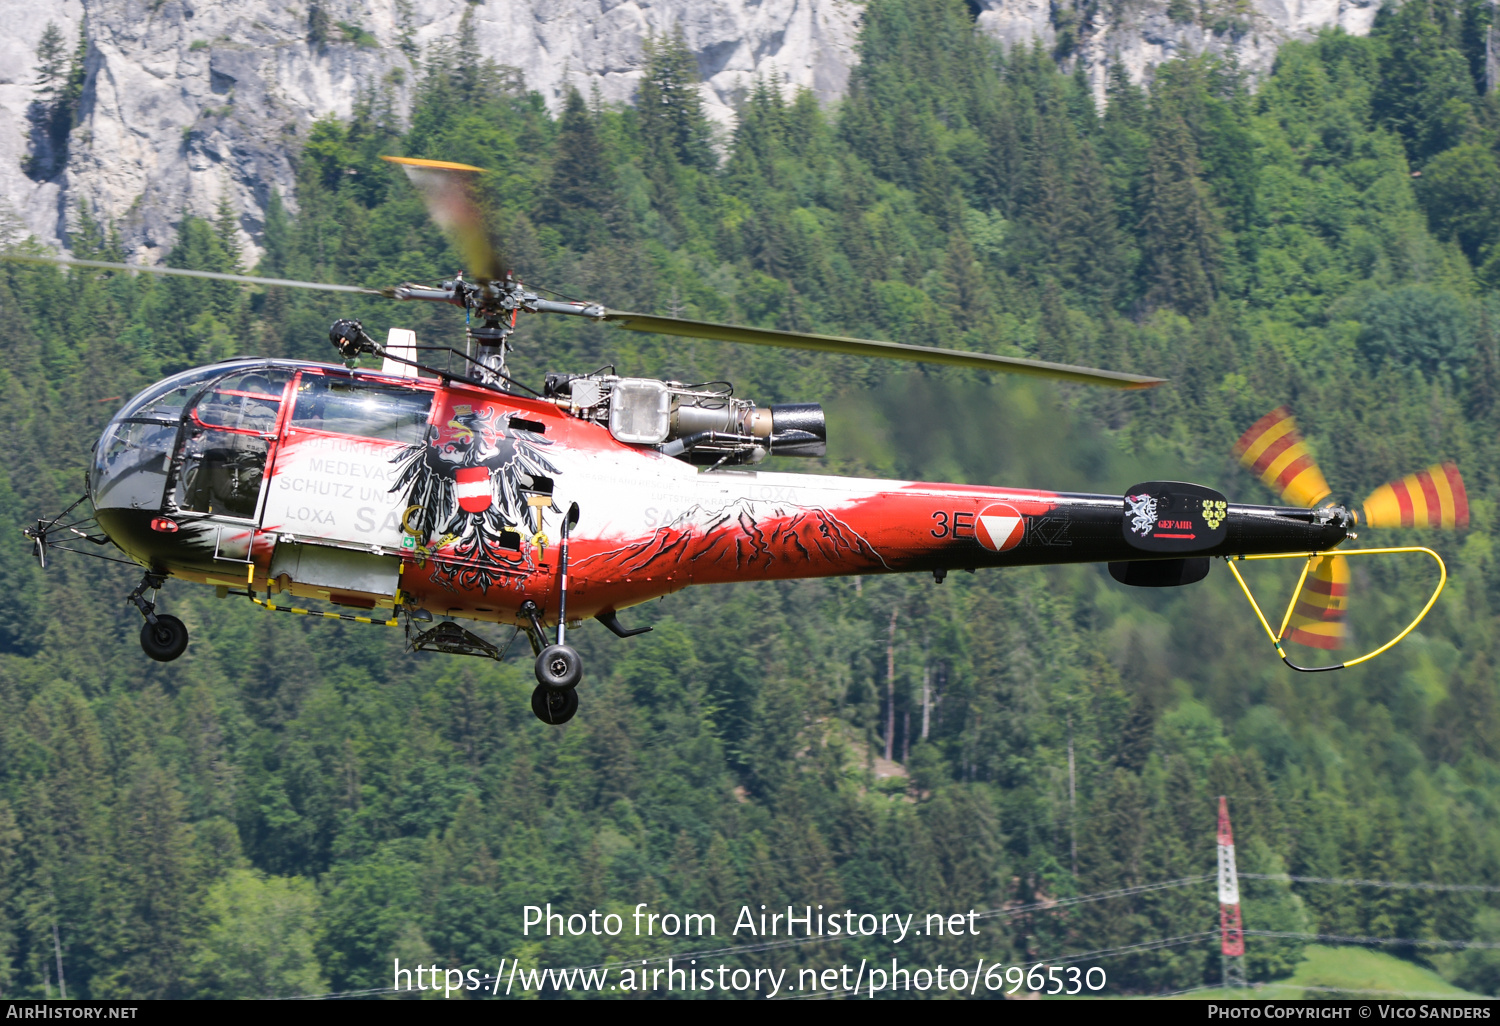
(258, 413)
(233, 462)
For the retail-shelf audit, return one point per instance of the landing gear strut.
(163, 637)
(558, 666)
(558, 671)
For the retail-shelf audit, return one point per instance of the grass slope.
(1355, 972)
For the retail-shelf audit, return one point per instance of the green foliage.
(357, 35)
(1460, 190)
(1417, 326)
(258, 942)
(52, 63)
(1479, 969)
(294, 804)
(581, 197)
(406, 39)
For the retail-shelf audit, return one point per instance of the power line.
(1377, 941)
(1350, 990)
(1084, 899)
(995, 913)
(1419, 885)
(1101, 953)
(1152, 945)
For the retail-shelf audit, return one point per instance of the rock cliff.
(187, 101)
(1142, 35)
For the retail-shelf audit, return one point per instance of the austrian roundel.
(999, 527)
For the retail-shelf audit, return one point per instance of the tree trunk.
(926, 700)
(890, 689)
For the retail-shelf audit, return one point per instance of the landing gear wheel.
(553, 705)
(164, 640)
(559, 667)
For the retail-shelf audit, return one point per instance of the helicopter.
(439, 488)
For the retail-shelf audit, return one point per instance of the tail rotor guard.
(1307, 608)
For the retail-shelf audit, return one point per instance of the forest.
(295, 803)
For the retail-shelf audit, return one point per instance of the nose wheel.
(163, 637)
(166, 639)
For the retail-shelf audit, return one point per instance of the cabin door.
(228, 441)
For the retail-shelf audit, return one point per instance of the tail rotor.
(1275, 451)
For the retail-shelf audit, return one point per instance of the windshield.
(132, 457)
(130, 461)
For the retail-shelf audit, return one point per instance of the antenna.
(1231, 931)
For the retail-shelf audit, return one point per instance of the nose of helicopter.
(127, 481)
(129, 472)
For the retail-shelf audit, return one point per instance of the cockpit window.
(229, 430)
(244, 402)
(355, 407)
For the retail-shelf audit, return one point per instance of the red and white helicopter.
(436, 493)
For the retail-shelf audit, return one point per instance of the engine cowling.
(696, 423)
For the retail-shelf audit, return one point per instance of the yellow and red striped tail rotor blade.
(1318, 619)
(1434, 497)
(1278, 454)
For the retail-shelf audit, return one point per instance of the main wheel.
(554, 705)
(559, 667)
(164, 640)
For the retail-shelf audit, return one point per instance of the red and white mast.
(1231, 932)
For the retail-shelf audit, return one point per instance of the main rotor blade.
(867, 347)
(448, 191)
(183, 272)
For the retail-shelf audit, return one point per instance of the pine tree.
(580, 197)
(72, 89)
(150, 890)
(60, 79)
(1091, 245)
(673, 126)
(719, 888)
(52, 65)
(227, 232)
(1178, 232)
(1110, 857)
(406, 39)
(967, 296)
(1425, 92)
(319, 26)
(1468, 719)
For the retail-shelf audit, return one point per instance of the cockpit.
(200, 441)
